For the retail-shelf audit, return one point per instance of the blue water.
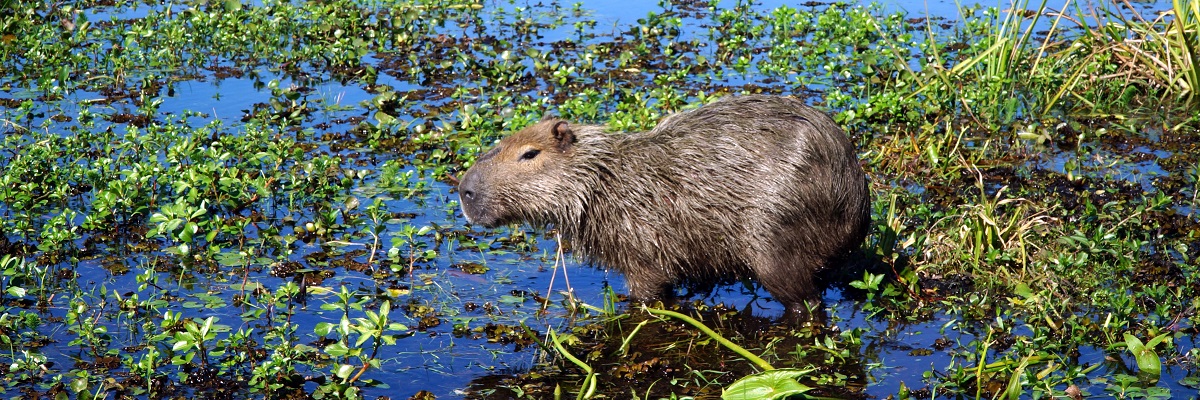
(438, 361)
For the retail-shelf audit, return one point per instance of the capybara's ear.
(563, 135)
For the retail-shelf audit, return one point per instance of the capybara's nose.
(470, 196)
(466, 186)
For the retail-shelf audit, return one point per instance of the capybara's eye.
(529, 155)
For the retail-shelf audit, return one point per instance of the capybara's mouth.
(475, 213)
(472, 200)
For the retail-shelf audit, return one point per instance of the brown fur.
(747, 187)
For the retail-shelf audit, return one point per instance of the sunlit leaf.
(344, 371)
(1147, 360)
(774, 384)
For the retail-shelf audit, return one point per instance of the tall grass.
(1022, 63)
(1000, 76)
(1171, 56)
(1157, 57)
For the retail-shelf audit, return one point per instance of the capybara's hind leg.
(649, 284)
(788, 277)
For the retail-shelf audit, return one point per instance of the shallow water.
(438, 359)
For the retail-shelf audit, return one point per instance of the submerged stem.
(589, 380)
(762, 364)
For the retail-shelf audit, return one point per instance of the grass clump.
(1159, 57)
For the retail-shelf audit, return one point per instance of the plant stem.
(589, 380)
(762, 364)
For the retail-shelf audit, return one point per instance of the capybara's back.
(749, 186)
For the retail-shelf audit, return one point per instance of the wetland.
(257, 199)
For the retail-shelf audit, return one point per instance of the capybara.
(756, 186)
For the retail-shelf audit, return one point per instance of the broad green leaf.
(1153, 343)
(1147, 360)
(79, 385)
(15, 291)
(344, 371)
(774, 384)
(337, 349)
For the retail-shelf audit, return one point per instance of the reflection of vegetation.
(760, 363)
(771, 383)
(180, 249)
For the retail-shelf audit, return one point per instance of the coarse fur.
(758, 187)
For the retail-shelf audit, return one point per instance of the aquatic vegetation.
(1157, 57)
(255, 199)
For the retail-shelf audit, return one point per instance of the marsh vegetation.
(230, 199)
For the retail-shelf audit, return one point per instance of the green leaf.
(510, 299)
(79, 384)
(181, 344)
(344, 371)
(15, 291)
(384, 118)
(1023, 290)
(323, 328)
(384, 310)
(1133, 343)
(362, 338)
(337, 349)
(774, 384)
(1147, 360)
(157, 217)
(1153, 343)
(1013, 390)
(424, 230)
(188, 230)
(230, 258)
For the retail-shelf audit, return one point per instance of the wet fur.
(747, 187)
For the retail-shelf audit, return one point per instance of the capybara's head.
(523, 179)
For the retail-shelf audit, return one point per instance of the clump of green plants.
(624, 345)
(1154, 60)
